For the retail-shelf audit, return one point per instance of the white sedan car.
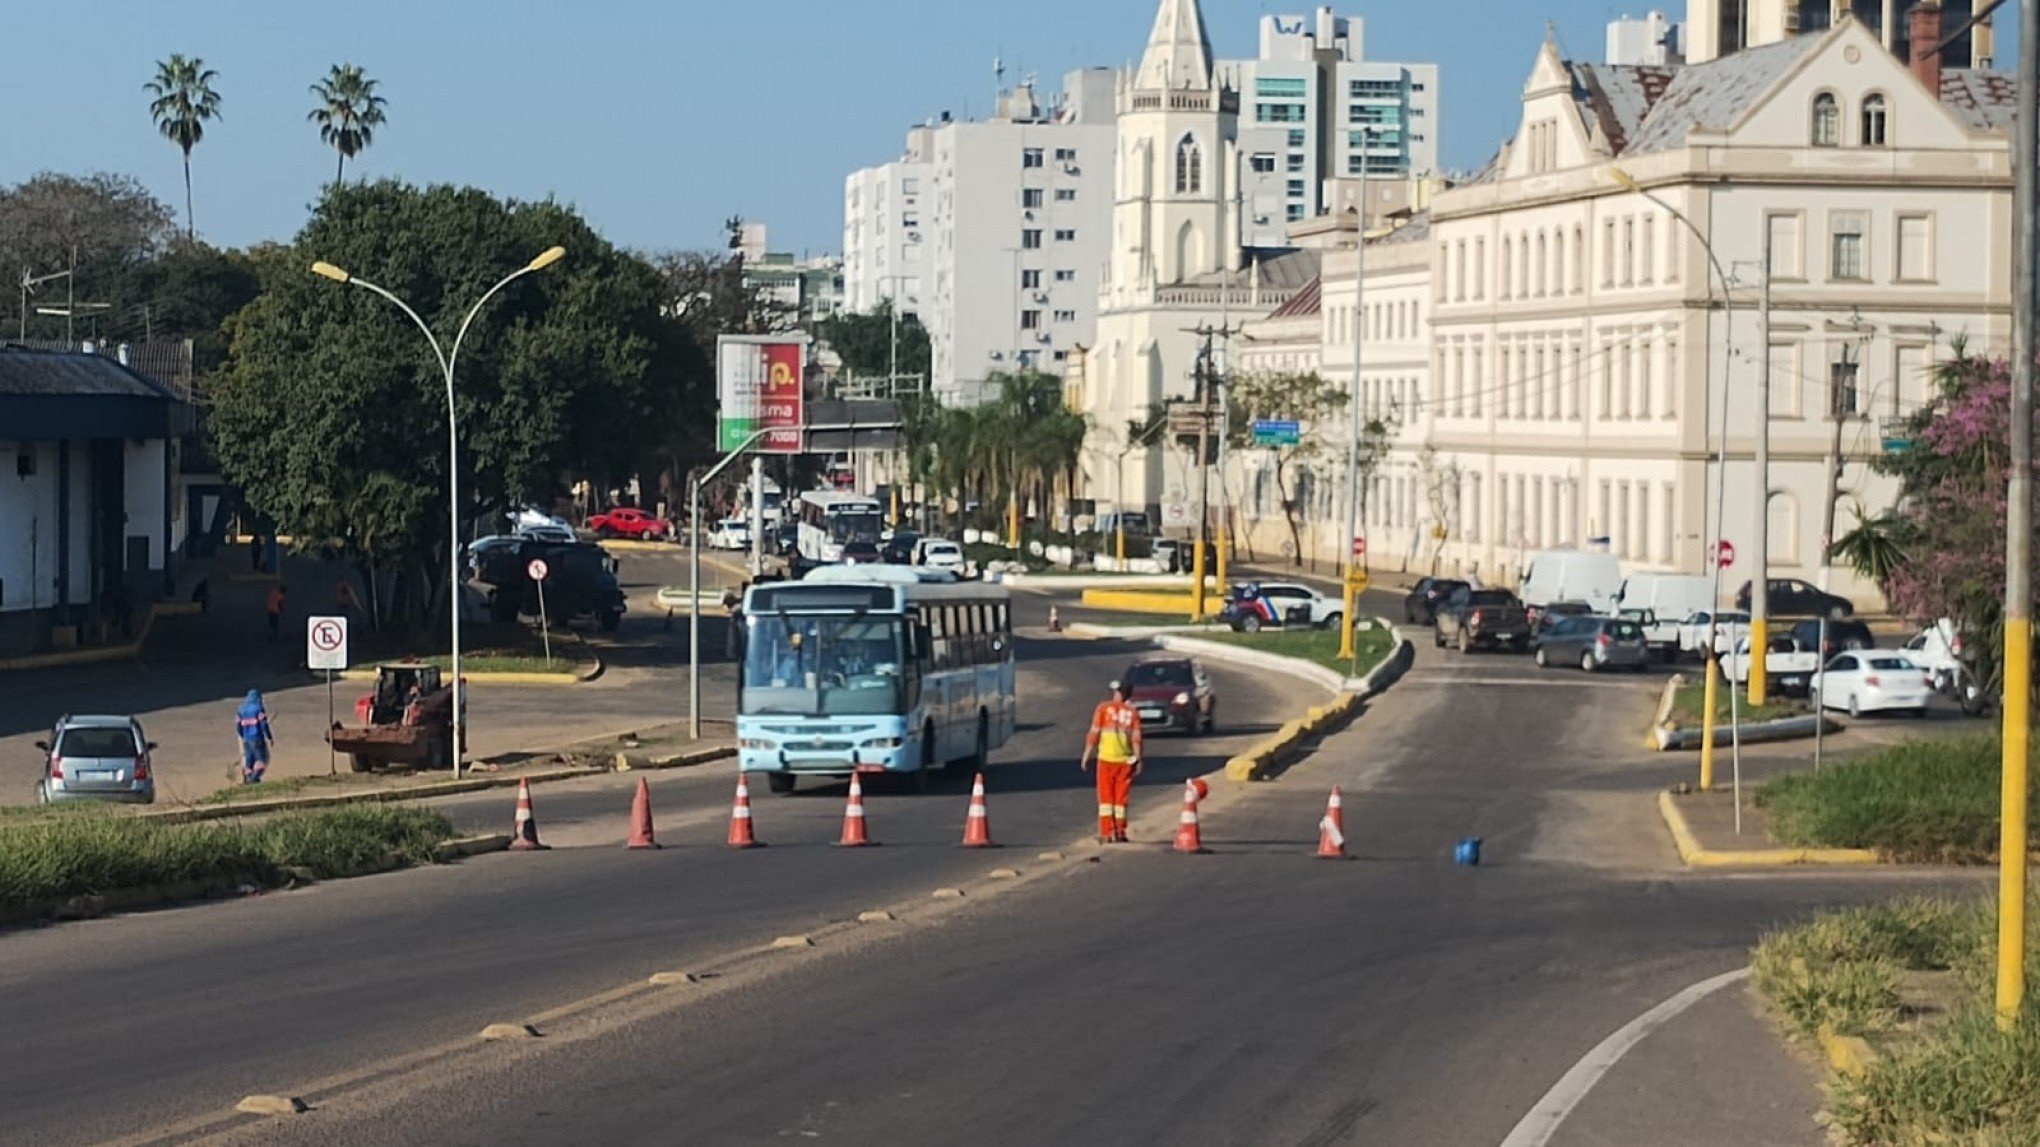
(1872, 680)
(730, 534)
(1325, 612)
(940, 554)
(1693, 632)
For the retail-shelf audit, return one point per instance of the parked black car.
(1482, 619)
(1790, 597)
(899, 549)
(1841, 635)
(1420, 605)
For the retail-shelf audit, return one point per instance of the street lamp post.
(1712, 543)
(1351, 602)
(545, 258)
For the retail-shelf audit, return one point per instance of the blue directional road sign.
(1277, 432)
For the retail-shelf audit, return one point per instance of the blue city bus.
(872, 669)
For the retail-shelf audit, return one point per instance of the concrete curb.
(1329, 680)
(100, 654)
(1104, 581)
(625, 763)
(1850, 1056)
(1178, 602)
(1695, 856)
(638, 546)
(1651, 739)
(1285, 745)
(1783, 729)
(461, 848)
(1085, 631)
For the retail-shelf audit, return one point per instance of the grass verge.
(1914, 978)
(1690, 699)
(1932, 801)
(1320, 646)
(80, 855)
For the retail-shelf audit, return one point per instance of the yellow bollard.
(1760, 641)
(1708, 697)
(1350, 597)
(2011, 969)
(1013, 524)
(1197, 581)
(1221, 558)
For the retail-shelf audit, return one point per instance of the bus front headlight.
(759, 743)
(883, 743)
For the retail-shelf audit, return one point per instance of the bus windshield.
(809, 666)
(855, 525)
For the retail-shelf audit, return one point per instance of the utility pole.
(2011, 971)
(1355, 569)
(1760, 526)
(1203, 476)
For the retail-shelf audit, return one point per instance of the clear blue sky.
(657, 118)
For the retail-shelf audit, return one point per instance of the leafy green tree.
(331, 416)
(1308, 399)
(865, 341)
(348, 113)
(185, 101)
(108, 223)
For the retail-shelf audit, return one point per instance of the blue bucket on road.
(1466, 853)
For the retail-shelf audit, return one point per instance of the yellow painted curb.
(1253, 764)
(95, 655)
(1849, 1055)
(1695, 856)
(636, 546)
(576, 677)
(1144, 601)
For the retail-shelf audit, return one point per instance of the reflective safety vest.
(1115, 732)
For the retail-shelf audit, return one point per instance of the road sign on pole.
(326, 648)
(1724, 553)
(1277, 432)
(326, 643)
(538, 569)
(1360, 547)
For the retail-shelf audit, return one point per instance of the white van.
(1572, 575)
(1672, 598)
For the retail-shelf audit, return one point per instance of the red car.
(629, 522)
(1173, 693)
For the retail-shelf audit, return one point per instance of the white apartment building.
(1579, 356)
(1650, 40)
(885, 229)
(810, 288)
(993, 232)
(1314, 108)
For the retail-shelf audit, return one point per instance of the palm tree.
(184, 101)
(1875, 549)
(349, 111)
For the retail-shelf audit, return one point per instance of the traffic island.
(1897, 1000)
(1678, 722)
(88, 864)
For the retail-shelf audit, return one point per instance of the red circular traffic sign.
(1724, 553)
(328, 636)
(537, 569)
(1360, 547)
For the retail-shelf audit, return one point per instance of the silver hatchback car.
(97, 758)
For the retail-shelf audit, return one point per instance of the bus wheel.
(981, 751)
(781, 783)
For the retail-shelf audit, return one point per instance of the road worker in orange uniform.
(1115, 742)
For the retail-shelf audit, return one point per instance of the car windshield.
(1158, 673)
(1624, 630)
(1491, 597)
(101, 742)
(809, 666)
(943, 550)
(1891, 663)
(855, 525)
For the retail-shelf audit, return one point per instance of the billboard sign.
(759, 388)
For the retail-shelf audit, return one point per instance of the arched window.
(1508, 270)
(1873, 120)
(1542, 263)
(1189, 167)
(1827, 121)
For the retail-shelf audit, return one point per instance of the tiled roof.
(36, 372)
(1982, 99)
(1306, 302)
(1416, 230)
(1281, 272)
(1710, 95)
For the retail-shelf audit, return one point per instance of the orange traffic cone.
(1187, 837)
(740, 819)
(1331, 841)
(641, 817)
(1054, 620)
(853, 818)
(977, 826)
(524, 831)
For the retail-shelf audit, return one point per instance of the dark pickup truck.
(1483, 618)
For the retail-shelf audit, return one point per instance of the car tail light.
(1873, 681)
(1602, 641)
(56, 767)
(1475, 619)
(142, 767)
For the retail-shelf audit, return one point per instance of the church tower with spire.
(1175, 216)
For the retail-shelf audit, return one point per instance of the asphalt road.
(1249, 996)
(185, 1011)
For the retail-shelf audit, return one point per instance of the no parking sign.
(326, 643)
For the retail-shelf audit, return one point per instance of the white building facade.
(1578, 355)
(1313, 109)
(1650, 40)
(993, 232)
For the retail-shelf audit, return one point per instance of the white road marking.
(1537, 1128)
